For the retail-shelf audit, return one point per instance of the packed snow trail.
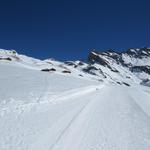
(43, 111)
(28, 101)
(101, 120)
(108, 121)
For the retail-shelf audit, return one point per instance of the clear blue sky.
(67, 29)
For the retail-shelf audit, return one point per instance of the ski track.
(98, 117)
(69, 125)
(47, 98)
(105, 126)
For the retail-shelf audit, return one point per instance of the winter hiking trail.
(104, 121)
(24, 112)
(46, 97)
(68, 125)
(102, 103)
(87, 117)
(66, 95)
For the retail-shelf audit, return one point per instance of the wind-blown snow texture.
(101, 104)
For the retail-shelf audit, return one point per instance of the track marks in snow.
(79, 113)
(49, 99)
(62, 125)
(112, 121)
(88, 119)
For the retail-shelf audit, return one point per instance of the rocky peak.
(121, 65)
(97, 57)
(138, 53)
(104, 57)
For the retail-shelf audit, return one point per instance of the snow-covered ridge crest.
(7, 52)
(128, 67)
(132, 63)
(11, 57)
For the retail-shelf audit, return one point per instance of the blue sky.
(68, 29)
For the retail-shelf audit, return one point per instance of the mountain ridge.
(117, 67)
(103, 103)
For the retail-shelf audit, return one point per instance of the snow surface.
(55, 111)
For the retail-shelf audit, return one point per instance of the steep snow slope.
(58, 111)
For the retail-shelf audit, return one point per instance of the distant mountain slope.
(131, 67)
(100, 104)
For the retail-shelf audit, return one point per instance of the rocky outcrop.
(139, 53)
(145, 82)
(71, 63)
(139, 69)
(93, 70)
(95, 58)
(48, 70)
(8, 58)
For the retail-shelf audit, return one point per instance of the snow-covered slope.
(101, 104)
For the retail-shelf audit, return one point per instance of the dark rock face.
(114, 60)
(95, 58)
(91, 70)
(126, 84)
(80, 63)
(74, 64)
(66, 71)
(145, 82)
(139, 69)
(9, 59)
(70, 63)
(80, 75)
(139, 53)
(48, 70)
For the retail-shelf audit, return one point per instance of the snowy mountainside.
(11, 57)
(100, 104)
(131, 66)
